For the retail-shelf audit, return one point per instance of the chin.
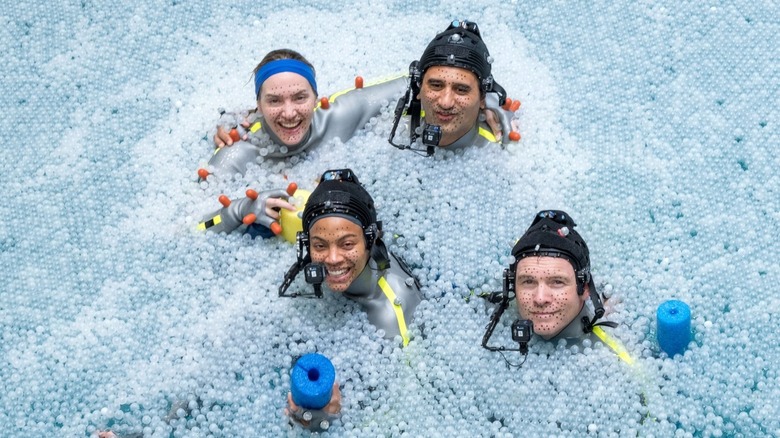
(340, 286)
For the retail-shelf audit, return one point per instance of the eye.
(463, 89)
(317, 246)
(435, 85)
(301, 98)
(348, 245)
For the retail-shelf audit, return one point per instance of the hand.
(502, 119)
(225, 137)
(265, 211)
(260, 208)
(332, 409)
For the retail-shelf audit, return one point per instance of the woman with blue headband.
(289, 119)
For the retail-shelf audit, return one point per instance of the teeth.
(337, 273)
(289, 125)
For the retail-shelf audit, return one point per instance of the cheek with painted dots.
(332, 236)
(553, 302)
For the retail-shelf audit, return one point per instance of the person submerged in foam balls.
(449, 86)
(289, 118)
(551, 281)
(341, 245)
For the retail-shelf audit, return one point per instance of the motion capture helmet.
(460, 45)
(552, 234)
(339, 194)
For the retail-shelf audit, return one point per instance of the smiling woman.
(286, 94)
(288, 119)
(342, 240)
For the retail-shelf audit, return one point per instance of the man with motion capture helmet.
(448, 87)
(550, 279)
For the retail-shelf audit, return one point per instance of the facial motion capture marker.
(674, 327)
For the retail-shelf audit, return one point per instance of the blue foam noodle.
(311, 381)
(674, 327)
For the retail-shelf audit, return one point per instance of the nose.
(542, 295)
(446, 98)
(333, 257)
(288, 109)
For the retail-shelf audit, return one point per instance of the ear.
(482, 104)
(585, 293)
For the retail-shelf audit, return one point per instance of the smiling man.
(551, 282)
(449, 86)
(552, 279)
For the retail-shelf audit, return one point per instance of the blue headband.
(284, 65)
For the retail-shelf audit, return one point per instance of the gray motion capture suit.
(390, 306)
(574, 333)
(348, 112)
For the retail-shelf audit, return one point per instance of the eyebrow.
(347, 236)
(541, 277)
(301, 91)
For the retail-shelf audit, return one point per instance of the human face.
(287, 103)
(450, 98)
(339, 244)
(546, 293)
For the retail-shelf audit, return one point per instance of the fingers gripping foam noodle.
(291, 220)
